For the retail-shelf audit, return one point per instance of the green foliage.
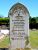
(36, 19)
(4, 20)
(30, 19)
(33, 20)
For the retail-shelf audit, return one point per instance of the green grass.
(4, 43)
(34, 38)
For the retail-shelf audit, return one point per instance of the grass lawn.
(4, 43)
(34, 38)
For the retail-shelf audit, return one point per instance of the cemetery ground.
(34, 38)
(4, 43)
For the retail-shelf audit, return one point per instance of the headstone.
(19, 27)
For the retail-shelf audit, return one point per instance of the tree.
(33, 23)
(30, 19)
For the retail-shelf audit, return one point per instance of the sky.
(31, 5)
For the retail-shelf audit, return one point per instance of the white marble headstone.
(19, 26)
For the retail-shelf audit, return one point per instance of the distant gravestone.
(19, 27)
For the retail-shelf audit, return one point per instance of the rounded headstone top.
(18, 6)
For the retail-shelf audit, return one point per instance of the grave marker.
(19, 27)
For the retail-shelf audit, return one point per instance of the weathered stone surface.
(19, 27)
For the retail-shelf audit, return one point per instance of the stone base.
(23, 49)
